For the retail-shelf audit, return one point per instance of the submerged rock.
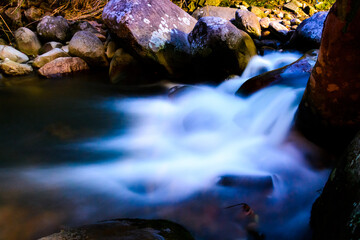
(336, 213)
(298, 71)
(12, 68)
(87, 46)
(212, 11)
(127, 229)
(27, 41)
(248, 22)
(219, 48)
(12, 54)
(63, 66)
(53, 29)
(47, 57)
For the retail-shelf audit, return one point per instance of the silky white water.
(178, 147)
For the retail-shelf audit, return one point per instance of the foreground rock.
(219, 48)
(27, 41)
(248, 22)
(294, 74)
(156, 30)
(63, 66)
(15, 69)
(212, 11)
(329, 112)
(47, 57)
(87, 46)
(336, 213)
(308, 35)
(127, 229)
(53, 29)
(12, 54)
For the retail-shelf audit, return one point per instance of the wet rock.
(53, 29)
(33, 14)
(129, 229)
(329, 111)
(156, 31)
(63, 66)
(212, 11)
(87, 46)
(124, 68)
(27, 41)
(43, 59)
(279, 30)
(294, 74)
(308, 35)
(248, 22)
(13, 17)
(219, 48)
(12, 54)
(15, 69)
(336, 213)
(49, 46)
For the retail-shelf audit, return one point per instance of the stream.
(78, 150)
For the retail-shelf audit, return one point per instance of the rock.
(248, 22)
(63, 66)
(124, 68)
(111, 48)
(49, 46)
(308, 35)
(65, 48)
(257, 11)
(279, 30)
(292, 6)
(27, 41)
(295, 21)
(336, 213)
(127, 229)
(13, 17)
(156, 31)
(43, 59)
(87, 46)
(294, 74)
(223, 12)
(219, 48)
(12, 54)
(12, 68)
(264, 23)
(53, 29)
(33, 14)
(329, 111)
(81, 26)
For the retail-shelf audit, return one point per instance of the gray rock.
(279, 30)
(219, 48)
(126, 229)
(27, 41)
(12, 54)
(49, 46)
(53, 29)
(63, 66)
(43, 59)
(212, 11)
(87, 46)
(15, 69)
(248, 22)
(308, 34)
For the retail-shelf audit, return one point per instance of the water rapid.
(186, 158)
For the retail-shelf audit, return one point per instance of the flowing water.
(76, 151)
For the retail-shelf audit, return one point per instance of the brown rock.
(33, 14)
(329, 113)
(248, 22)
(63, 66)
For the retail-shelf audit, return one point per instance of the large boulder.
(213, 11)
(219, 48)
(294, 74)
(12, 54)
(308, 34)
(329, 112)
(47, 57)
(27, 41)
(126, 229)
(87, 46)
(336, 213)
(15, 69)
(155, 30)
(63, 66)
(248, 22)
(54, 29)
